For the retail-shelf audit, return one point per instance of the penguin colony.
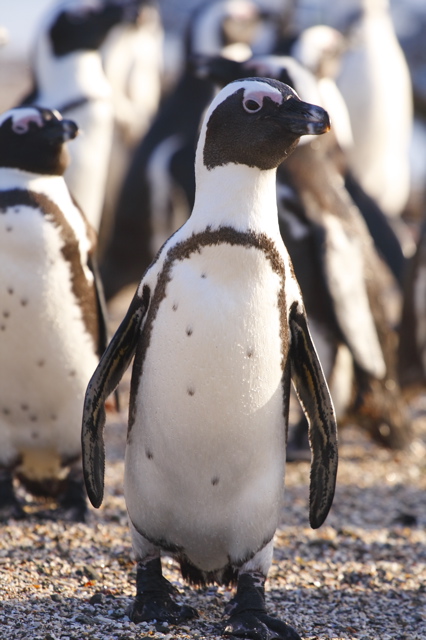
(51, 327)
(217, 327)
(218, 330)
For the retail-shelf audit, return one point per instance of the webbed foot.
(154, 597)
(248, 617)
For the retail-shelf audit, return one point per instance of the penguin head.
(257, 122)
(83, 25)
(33, 139)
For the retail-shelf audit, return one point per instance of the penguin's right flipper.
(314, 396)
(105, 379)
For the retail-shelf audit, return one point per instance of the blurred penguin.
(375, 82)
(69, 77)
(132, 57)
(320, 49)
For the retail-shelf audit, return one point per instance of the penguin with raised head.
(69, 77)
(218, 330)
(52, 329)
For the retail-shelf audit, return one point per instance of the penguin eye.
(251, 106)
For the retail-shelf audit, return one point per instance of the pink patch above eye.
(258, 95)
(22, 125)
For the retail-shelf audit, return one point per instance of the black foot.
(10, 508)
(248, 617)
(153, 599)
(72, 502)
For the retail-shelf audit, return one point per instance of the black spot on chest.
(183, 251)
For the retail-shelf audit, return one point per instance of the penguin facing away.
(51, 330)
(218, 330)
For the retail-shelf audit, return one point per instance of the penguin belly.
(46, 353)
(205, 457)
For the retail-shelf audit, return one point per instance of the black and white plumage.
(51, 330)
(158, 191)
(69, 77)
(218, 329)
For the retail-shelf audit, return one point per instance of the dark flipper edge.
(314, 396)
(106, 377)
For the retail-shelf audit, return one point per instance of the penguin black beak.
(60, 131)
(69, 130)
(303, 118)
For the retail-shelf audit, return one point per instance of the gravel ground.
(360, 576)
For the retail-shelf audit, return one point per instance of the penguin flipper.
(314, 396)
(106, 377)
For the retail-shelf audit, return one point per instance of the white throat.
(235, 195)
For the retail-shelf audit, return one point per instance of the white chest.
(208, 439)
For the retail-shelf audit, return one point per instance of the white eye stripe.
(21, 118)
(22, 125)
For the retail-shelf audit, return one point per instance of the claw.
(259, 626)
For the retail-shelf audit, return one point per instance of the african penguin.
(132, 57)
(320, 49)
(69, 77)
(51, 328)
(218, 330)
(375, 61)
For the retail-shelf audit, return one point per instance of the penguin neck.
(11, 178)
(84, 72)
(236, 195)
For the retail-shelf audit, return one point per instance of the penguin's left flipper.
(105, 379)
(314, 396)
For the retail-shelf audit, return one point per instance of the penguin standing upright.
(218, 329)
(69, 77)
(51, 327)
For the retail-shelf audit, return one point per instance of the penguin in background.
(320, 49)
(157, 193)
(132, 58)
(218, 329)
(52, 327)
(380, 156)
(344, 281)
(69, 77)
